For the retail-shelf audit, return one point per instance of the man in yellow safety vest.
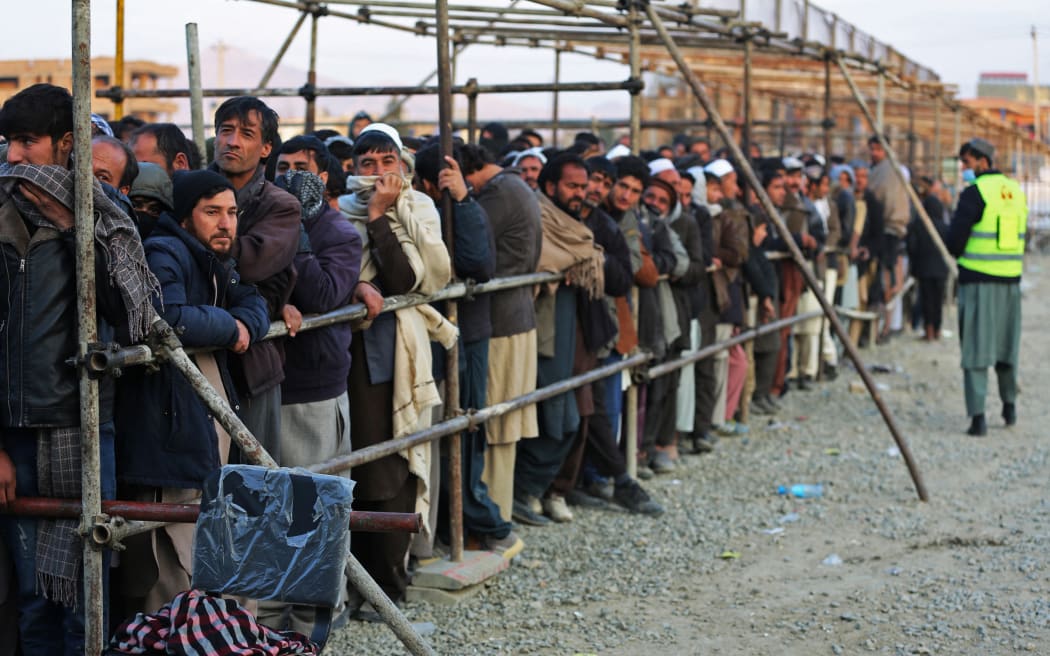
(987, 235)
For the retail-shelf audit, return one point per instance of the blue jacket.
(165, 434)
(317, 361)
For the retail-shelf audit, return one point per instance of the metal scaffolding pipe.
(193, 67)
(938, 165)
(280, 54)
(172, 350)
(554, 99)
(311, 78)
(634, 57)
(116, 93)
(742, 337)
(745, 132)
(187, 513)
(455, 454)
(895, 165)
(87, 331)
(104, 360)
(118, 60)
(472, 112)
(466, 422)
(851, 349)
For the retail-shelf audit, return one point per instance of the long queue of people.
(663, 252)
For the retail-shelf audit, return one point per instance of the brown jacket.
(730, 236)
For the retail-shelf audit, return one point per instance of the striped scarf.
(126, 261)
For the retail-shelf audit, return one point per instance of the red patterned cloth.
(198, 624)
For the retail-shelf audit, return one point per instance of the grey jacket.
(514, 214)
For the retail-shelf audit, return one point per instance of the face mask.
(968, 176)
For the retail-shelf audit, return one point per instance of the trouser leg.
(602, 450)
(385, 555)
(498, 475)
(765, 369)
(975, 389)
(705, 379)
(538, 463)
(1006, 375)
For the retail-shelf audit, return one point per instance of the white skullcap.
(719, 168)
(792, 164)
(530, 152)
(386, 129)
(659, 165)
(619, 150)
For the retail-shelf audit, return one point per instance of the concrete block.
(443, 597)
(476, 567)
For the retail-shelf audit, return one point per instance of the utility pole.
(1035, 86)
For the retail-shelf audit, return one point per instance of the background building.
(21, 73)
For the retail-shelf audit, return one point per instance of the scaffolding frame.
(597, 27)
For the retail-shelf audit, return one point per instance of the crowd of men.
(665, 252)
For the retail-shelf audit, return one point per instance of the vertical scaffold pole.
(193, 66)
(555, 97)
(118, 61)
(311, 79)
(87, 331)
(472, 110)
(880, 100)
(956, 145)
(938, 161)
(629, 426)
(455, 460)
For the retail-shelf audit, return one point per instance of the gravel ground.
(866, 568)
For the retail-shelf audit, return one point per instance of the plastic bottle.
(802, 490)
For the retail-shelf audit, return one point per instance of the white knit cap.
(617, 151)
(659, 165)
(719, 168)
(386, 129)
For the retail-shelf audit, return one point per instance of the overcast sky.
(956, 38)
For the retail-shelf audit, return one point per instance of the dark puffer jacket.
(165, 434)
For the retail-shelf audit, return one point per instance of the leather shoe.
(978, 427)
(1010, 414)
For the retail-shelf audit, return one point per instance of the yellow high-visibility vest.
(996, 244)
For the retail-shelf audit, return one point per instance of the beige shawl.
(569, 246)
(414, 220)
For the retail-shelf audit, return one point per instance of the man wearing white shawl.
(390, 383)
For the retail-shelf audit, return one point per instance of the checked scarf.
(58, 549)
(197, 624)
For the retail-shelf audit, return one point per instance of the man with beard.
(168, 442)
(596, 440)
(569, 247)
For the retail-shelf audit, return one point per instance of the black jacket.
(924, 259)
(38, 324)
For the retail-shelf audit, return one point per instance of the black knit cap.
(189, 186)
